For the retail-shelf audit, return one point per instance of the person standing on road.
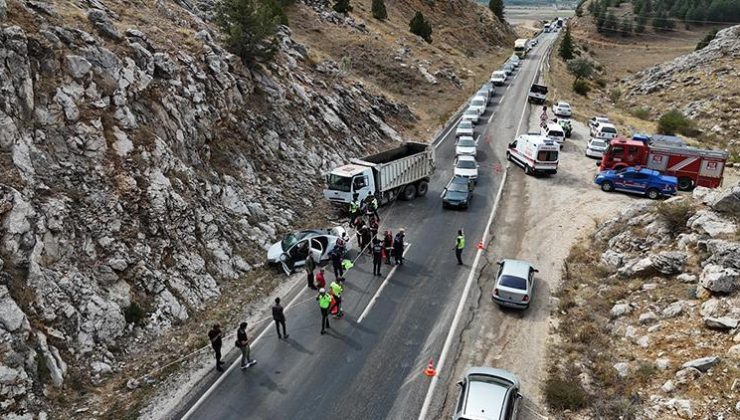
(215, 336)
(459, 246)
(373, 206)
(324, 300)
(388, 245)
(354, 209)
(374, 226)
(336, 263)
(398, 244)
(242, 343)
(320, 280)
(377, 256)
(310, 266)
(336, 290)
(279, 317)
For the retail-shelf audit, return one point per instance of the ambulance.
(534, 152)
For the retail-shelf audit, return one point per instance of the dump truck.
(402, 172)
(520, 47)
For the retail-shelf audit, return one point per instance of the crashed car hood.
(274, 252)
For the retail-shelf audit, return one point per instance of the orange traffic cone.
(480, 245)
(430, 370)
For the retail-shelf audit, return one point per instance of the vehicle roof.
(466, 138)
(516, 268)
(606, 124)
(466, 157)
(480, 97)
(486, 400)
(640, 170)
(554, 126)
(485, 370)
(536, 138)
(471, 111)
(348, 170)
(563, 103)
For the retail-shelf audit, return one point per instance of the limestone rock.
(103, 24)
(711, 223)
(727, 201)
(673, 310)
(620, 309)
(687, 375)
(647, 318)
(718, 279)
(723, 323)
(77, 67)
(686, 278)
(702, 364)
(623, 369)
(12, 317)
(669, 262)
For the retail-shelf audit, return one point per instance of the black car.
(458, 193)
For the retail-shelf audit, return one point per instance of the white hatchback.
(596, 148)
(562, 109)
(466, 145)
(471, 115)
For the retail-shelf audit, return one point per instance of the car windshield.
(339, 183)
(466, 143)
(611, 130)
(478, 102)
(556, 133)
(499, 74)
(564, 106)
(454, 187)
(471, 112)
(598, 143)
(466, 124)
(513, 282)
(288, 241)
(466, 164)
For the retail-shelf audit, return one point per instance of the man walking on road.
(336, 263)
(459, 246)
(377, 256)
(310, 266)
(242, 343)
(279, 317)
(398, 245)
(324, 300)
(388, 245)
(336, 291)
(215, 336)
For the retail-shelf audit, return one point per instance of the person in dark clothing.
(374, 226)
(310, 266)
(279, 317)
(336, 263)
(398, 245)
(388, 245)
(366, 238)
(215, 335)
(377, 256)
(242, 343)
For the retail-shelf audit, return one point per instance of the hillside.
(144, 169)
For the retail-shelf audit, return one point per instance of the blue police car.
(638, 180)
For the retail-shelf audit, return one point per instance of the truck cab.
(622, 153)
(345, 181)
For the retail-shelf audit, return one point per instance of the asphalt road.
(373, 369)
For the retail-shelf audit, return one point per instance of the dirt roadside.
(539, 220)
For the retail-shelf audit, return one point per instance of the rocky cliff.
(141, 165)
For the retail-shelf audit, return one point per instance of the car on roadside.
(479, 103)
(554, 132)
(514, 60)
(488, 394)
(638, 180)
(467, 167)
(514, 285)
(597, 120)
(471, 115)
(596, 148)
(466, 145)
(293, 249)
(498, 77)
(562, 109)
(606, 131)
(465, 128)
(458, 193)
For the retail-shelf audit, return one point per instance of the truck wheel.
(422, 188)
(685, 184)
(408, 193)
(607, 186)
(653, 194)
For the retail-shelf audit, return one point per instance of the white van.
(554, 132)
(535, 153)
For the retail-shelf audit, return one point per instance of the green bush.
(581, 68)
(615, 95)
(419, 26)
(641, 113)
(600, 82)
(706, 40)
(497, 7)
(674, 122)
(565, 394)
(675, 215)
(619, 408)
(342, 6)
(134, 314)
(379, 11)
(581, 87)
(250, 27)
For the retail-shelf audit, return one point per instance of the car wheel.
(685, 184)
(408, 193)
(422, 188)
(607, 186)
(653, 194)
(508, 156)
(527, 170)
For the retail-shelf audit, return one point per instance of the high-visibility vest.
(324, 301)
(375, 203)
(336, 289)
(354, 206)
(460, 241)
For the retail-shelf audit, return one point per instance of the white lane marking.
(447, 132)
(221, 378)
(502, 98)
(507, 87)
(380, 289)
(493, 114)
(460, 306)
(526, 101)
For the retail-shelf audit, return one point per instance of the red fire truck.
(691, 166)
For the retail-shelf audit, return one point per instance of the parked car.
(498, 77)
(488, 86)
(562, 109)
(604, 131)
(597, 120)
(466, 145)
(596, 147)
(467, 167)
(488, 394)
(294, 248)
(514, 60)
(458, 193)
(508, 68)
(566, 125)
(485, 91)
(554, 132)
(471, 115)
(465, 128)
(638, 180)
(514, 286)
(479, 103)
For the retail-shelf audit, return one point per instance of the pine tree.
(379, 11)
(611, 24)
(421, 27)
(497, 7)
(342, 6)
(250, 27)
(566, 45)
(625, 27)
(641, 21)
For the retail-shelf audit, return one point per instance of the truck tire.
(653, 194)
(422, 188)
(607, 186)
(408, 193)
(685, 184)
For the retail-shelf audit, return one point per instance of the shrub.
(566, 45)
(706, 40)
(250, 27)
(564, 394)
(379, 11)
(645, 371)
(581, 87)
(676, 214)
(581, 68)
(674, 122)
(342, 6)
(641, 113)
(419, 26)
(497, 7)
(615, 95)
(134, 314)
(620, 408)
(600, 82)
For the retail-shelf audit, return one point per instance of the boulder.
(644, 341)
(719, 279)
(637, 268)
(3, 9)
(724, 253)
(77, 66)
(612, 259)
(103, 24)
(648, 317)
(673, 310)
(734, 351)
(687, 375)
(662, 363)
(722, 323)
(623, 369)
(668, 387)
(669, 262)
(686, 278)
(702, 364)
(12, 317)
(704, 194)
(620, 309)
(101, 367)
(727, 201)
(711, 223)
